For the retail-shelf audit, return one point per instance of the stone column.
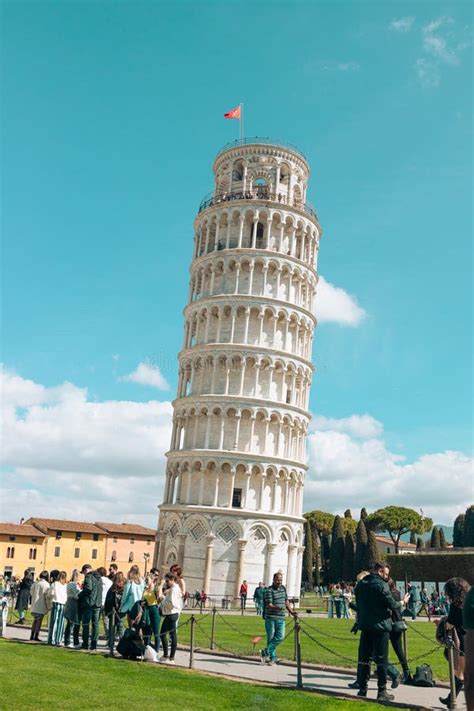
(232, 482)
(240, 573)
(160, 555)
(299, 565)
(206, 583)
(182, 543)
(291, 570)
(269, 572)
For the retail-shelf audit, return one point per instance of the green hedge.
(432, 567)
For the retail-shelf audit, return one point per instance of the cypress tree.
(442, 538)
(349, 555)
(361, 547)
(458, 531)
(307, 576)
(347, 513)
(435, 538)
(469, 527)
(317, 566)
(336, 558)
(420, 544)
(363, 514)
(373, 554)
(325, 553)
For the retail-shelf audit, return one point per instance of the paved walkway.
(284, 674)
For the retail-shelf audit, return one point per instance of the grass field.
(334, 644)
(34, 678)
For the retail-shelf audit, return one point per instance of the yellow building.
(70, 544)
(129, 544)
(21, 548)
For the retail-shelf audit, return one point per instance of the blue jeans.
(275, 629)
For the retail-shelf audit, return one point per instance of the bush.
(432, 567)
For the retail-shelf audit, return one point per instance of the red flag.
(235, 113)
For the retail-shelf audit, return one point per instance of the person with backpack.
(132, 595)
(276, 605)
(113, 601)
(258, 598)
(90, 602)
(374, 603)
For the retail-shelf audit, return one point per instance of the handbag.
(399, 626)
(423, 676)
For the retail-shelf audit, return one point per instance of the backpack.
(131, 645)
(423, 676)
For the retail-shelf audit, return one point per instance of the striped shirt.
(275, 596)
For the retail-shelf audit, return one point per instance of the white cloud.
(442, 46)
(332, 65)
(402, 24)
(333, 304)
(427, 72)
(348, 469)
(67, 456)
(147, 374)
(363, 426)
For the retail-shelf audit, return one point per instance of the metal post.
(213, 626)
(191, 643)
(452, 681)
(404, 642)
(299, 676)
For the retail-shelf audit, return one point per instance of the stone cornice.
(245, 350)
(268, 204)
(223, 456)
(248, 301)
(242, 402)
(236, 252)
(218, 512)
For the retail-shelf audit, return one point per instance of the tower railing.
(258, 140)
(256, 193)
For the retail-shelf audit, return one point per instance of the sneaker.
(270, 662)
(407, 678)
(396, 681)
(384, 696)
(263, 656)
(362, 693)
(71, 645)
(353, 685)
(171, 661)
(164, 660)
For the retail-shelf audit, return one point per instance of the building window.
(388, 549)
(148, 541)
(32, 553)
(59, 535)
(94, 553)
(114, 555)
(57, 552)
(95, 536)
(78, 536)
(132, 541)
(11, 538)
(130, 557)
(237, 498)
(34, 540)
(114, 539)
(77, 552)
(11, 552)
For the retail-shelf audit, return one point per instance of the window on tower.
(237, 499)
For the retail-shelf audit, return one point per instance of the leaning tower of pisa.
(232, 506)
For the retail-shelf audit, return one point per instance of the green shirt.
(275, 596)
(468, 610)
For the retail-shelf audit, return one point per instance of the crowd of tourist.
(145, 611)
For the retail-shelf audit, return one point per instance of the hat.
(85, 567)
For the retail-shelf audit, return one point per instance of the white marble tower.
(232, 506)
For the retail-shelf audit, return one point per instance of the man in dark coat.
(375, 604)
(90, 602)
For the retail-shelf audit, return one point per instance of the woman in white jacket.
(39, 604)
(58, 597)
(172, 603)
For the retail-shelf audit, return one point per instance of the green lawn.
(34, 678)
(234, 633)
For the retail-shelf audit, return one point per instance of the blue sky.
(112, 116)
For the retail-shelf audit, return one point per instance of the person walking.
(258, 598)
(71, 611)
(456, 590)
(132, 594)
(374, 603)
(243, 592)
(112, 606)
(151, 610)
(276, 603)
(413, 600)
(39, 604)
(425, 603)
(171, 597)
(58, 597)
(23, 599)
(90, 602)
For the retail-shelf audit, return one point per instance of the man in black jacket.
(374, 603)
(90, 602)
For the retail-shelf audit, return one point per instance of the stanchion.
(213, 626)
(295, 653)
(191, 643)
(299, 676)
(405, 645)
(452, 681)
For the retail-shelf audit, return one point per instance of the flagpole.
(241, 122)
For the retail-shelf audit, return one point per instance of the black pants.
(396, 640)
(169, 627)
(373, 644)
(75, 633)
